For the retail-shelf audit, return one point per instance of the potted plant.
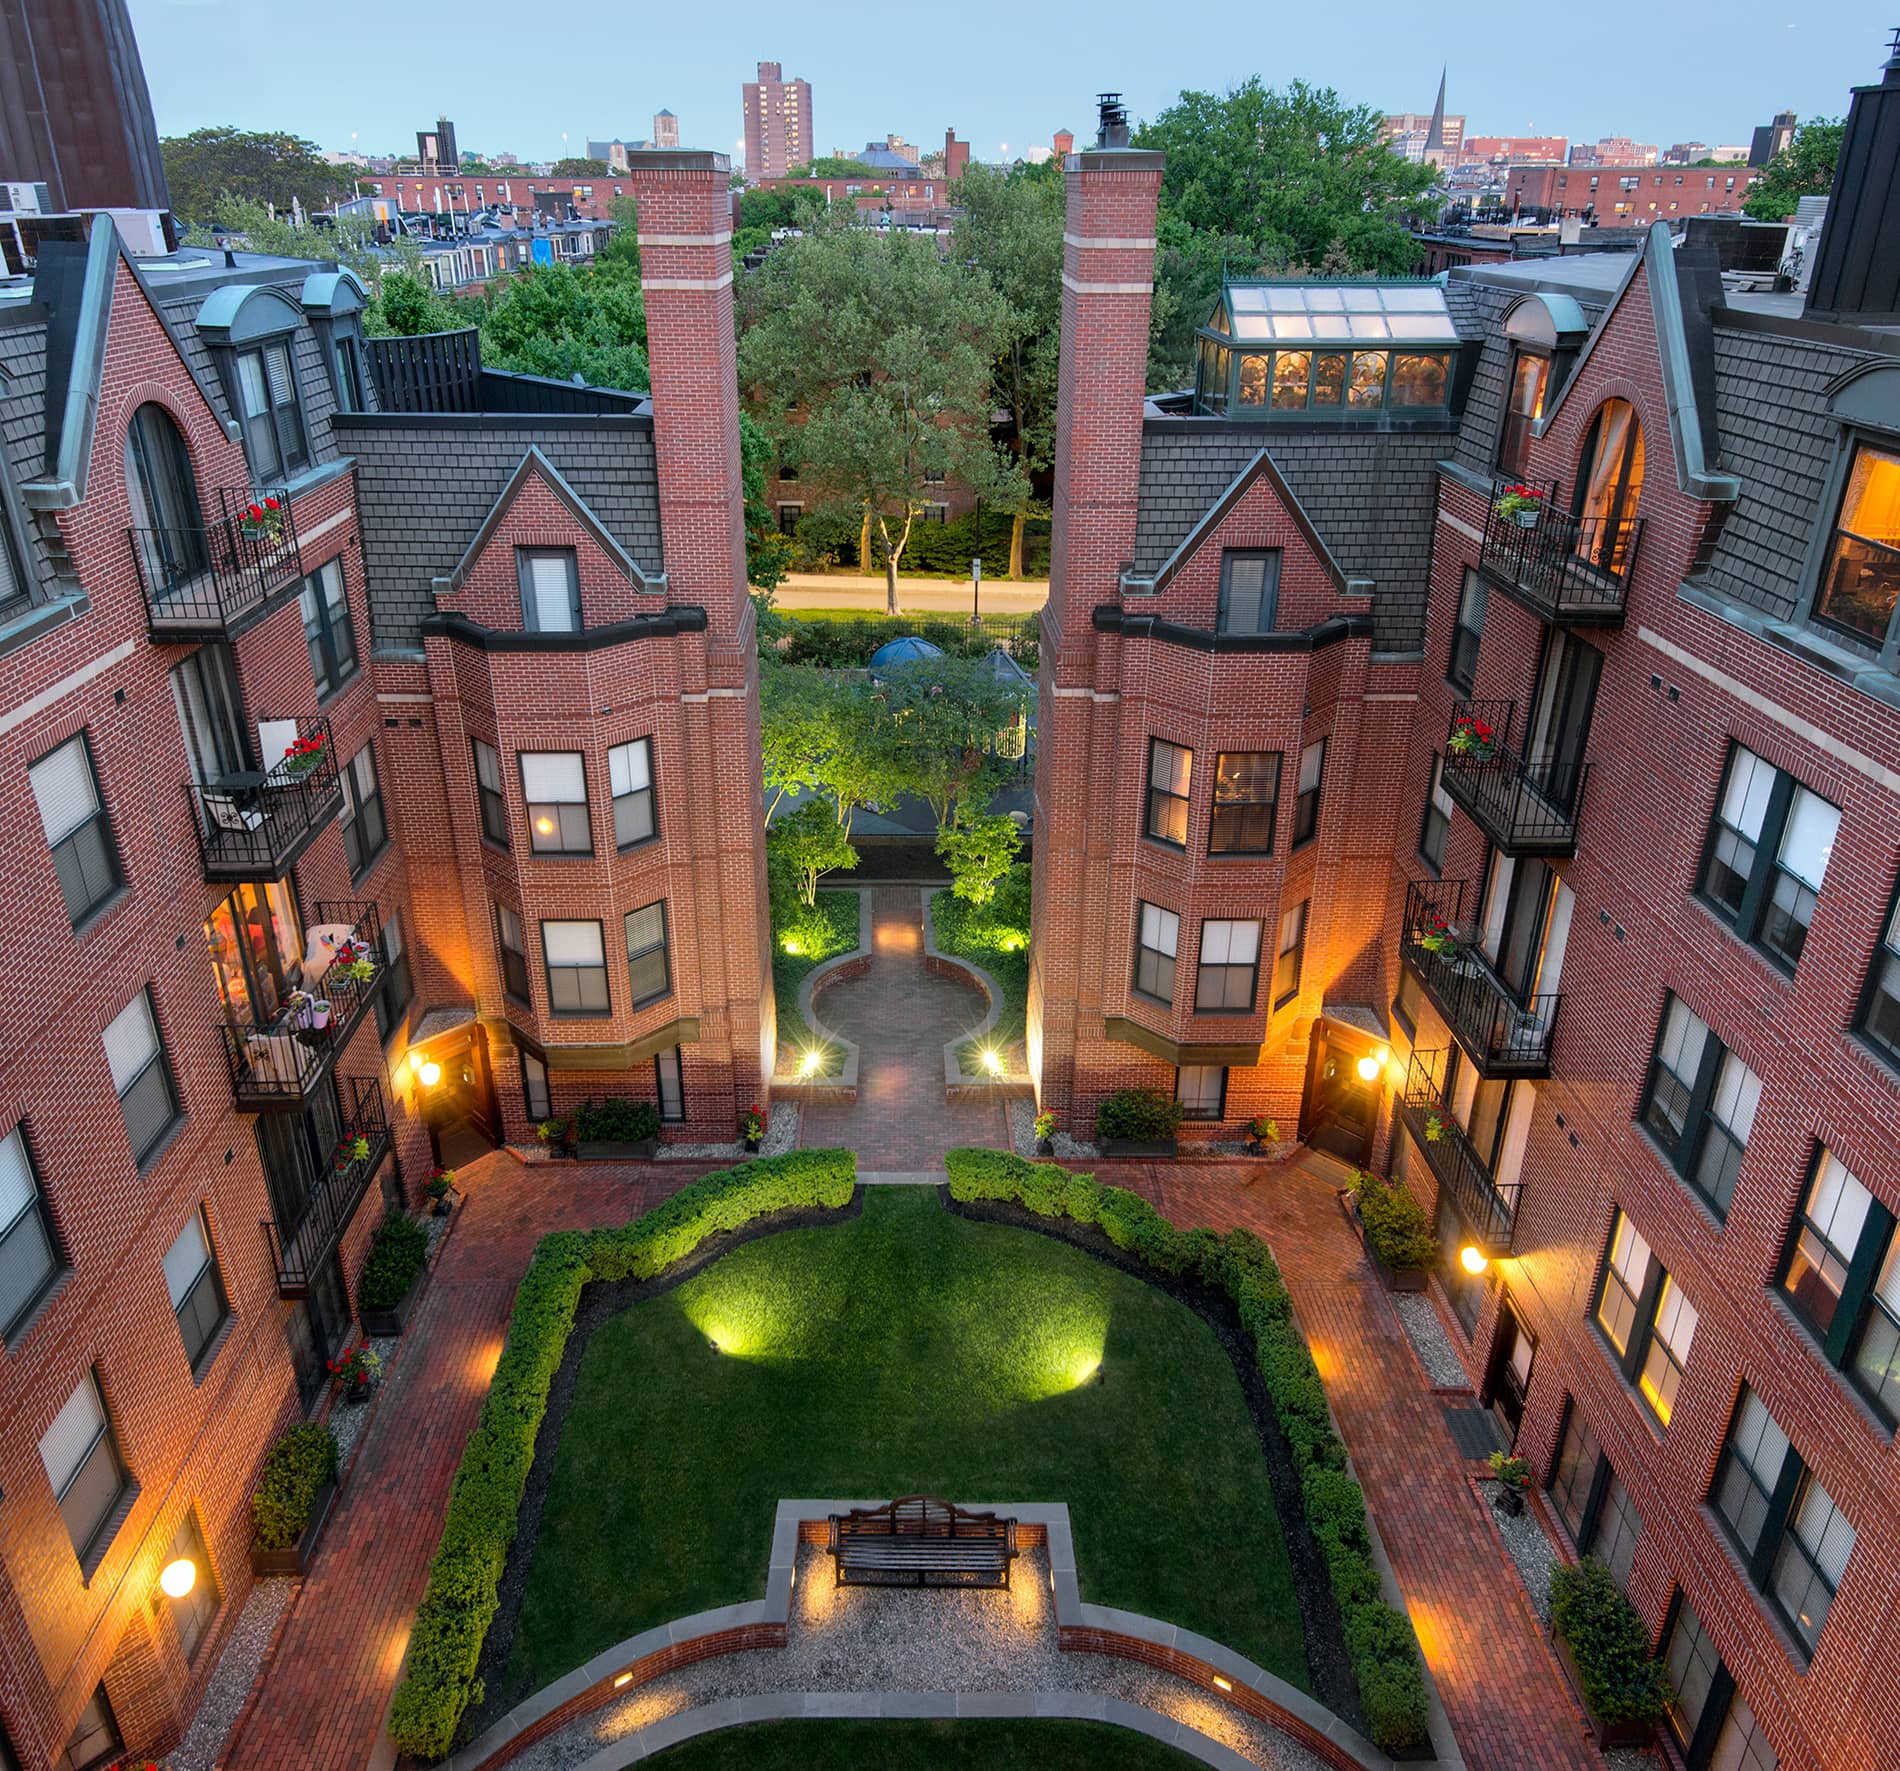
(1045, 1133)
(751, 1129)
(618, 1130)
(1434, 1126)
(1513, 1476)
(1472, 739)
(557, 1134)
(1397, 1233)
(1261, 1131)
(391, 1276)
(295, 1489)
(301, 755)
(1603, 1643)
(1521, 505)
(352, 1150)
(353, 1372)
(262, 521)
(1435, 934)
(1137, 1122)
(439, 1185)
(308, 1013)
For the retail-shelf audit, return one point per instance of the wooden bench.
(920, 1540)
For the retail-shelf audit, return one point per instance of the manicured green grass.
(961, 928)
(924, 1746)
(839, 911)
(906, 1350)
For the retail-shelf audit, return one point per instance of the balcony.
(1527, 804)
(1570, 571)
(276, 1068)
(1502, 1035)
(203, 582)
(254, 826)
(1490, 1210)
(333, 1196)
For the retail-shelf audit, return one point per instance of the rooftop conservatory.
(1314, 348)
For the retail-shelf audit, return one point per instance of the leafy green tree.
(407, 304)
(811, 843)
(867, 357)
(828, 736)
(954, 724)
(265, 167)
(979, 849)
(576, 167)
(621, 254)
(831, 166)
(768, 554)
(1804, 168)
(561, 322)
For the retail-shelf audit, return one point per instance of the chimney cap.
(1112, 131)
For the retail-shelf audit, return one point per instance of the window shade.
(629, 768)
(573, 943)
(186, 1259)
(251, 379)
(1684, 1035)
(553, 609)
(646, 928)
(551, 776)
(131, 1041)
(1759, 1440)
(1821, 1525)
(1230, 943)
(277, 361)
(1160, 929)
(1312, 760)
(74, 1432)
(1737, 1093)
(1837, 1203)
(62, 783)
(16, 1178)
(1744, 804)
(1809, 838)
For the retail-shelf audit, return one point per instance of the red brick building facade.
(1628, 195)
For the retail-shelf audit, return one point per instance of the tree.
(811, 843)
(951, 720)
(349, 239)
(768, 554)
(979, 849)
(574, 167)
(561, 322)
(831, 166)
(264, 167)
(1804, 168)
(829, 737)
(867, 358)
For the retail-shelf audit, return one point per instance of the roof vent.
(1113, 129)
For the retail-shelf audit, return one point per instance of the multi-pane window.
(399, 985)
(550, 589)
(1202, 1090)
(670, 1082)
(1246, 797)
(1675, 1325)
(648, 972)
(554, 783)
(1229, 968)
(1530, 375)
(576, 957)
(1741, 1746)
(630, 774)
(85, 858)
(512, 947)
(1880, 1012)
(1574, 1481)
(1170, 768)
(1618, 1526)
(1408, 1000)
(1767, 856)
(365, 829)
(1157, 939)
(488, 794)
(197, 1290)
(1436, 826)
(1290, 956)
(1841, 1274)
(1645, 1318)
(1811, 1561)
(268, 405)
(1249, 590)
(196, 1611)
(1625, 1276)
(141, 1075)
(1693, 1666)
(29, 1257)
(346, 357)
(1306, 806)
(82, 1463)
(95, 1737)
(1700, 1104)
(534, 1085)
(325, 604)
(1468, 633)
(1860, 578)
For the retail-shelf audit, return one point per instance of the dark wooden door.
(1508, 1383)
(1340, 1105)
(464, 1121)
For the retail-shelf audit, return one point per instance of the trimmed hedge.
(397, 1253)
(1609, 1641)
(294, 1469)
(616, 1120)
(1397, 1230)
(1137, 1112)
(445, 1644)
(1379, 1639)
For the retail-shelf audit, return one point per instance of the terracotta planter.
(297, 1558)
(391, 1318)
(1609, 1735)
(1154, 1149)
(610, 1150)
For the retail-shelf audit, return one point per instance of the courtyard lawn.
(837, 914)
(924, 1746)
(906, 1350)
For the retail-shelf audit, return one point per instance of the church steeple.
(1435, 136)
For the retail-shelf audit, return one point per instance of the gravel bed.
(231, 1679)
(781, 1133)
(1429, 1340)
(1022, 1134)
(1530, 1548)
(885, 1639)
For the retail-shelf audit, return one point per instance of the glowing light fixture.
(544, 825)
(992, 1060)
(1221, 1684)
(622, 1679)
(417, 1060)
(1369, 1068)
(808, 1064)
(791, 943)
(1472, 1258)
(178, 1578)
(431, 1073)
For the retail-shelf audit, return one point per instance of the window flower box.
(1521, 505)
(617, 1130)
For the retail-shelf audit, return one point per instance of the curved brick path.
(900, 1014)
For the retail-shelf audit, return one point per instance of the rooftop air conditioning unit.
(26, 199)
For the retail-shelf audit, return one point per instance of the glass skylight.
(1404, 313)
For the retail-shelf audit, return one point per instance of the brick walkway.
(330, 1679)
(899, 1014)
(1507, 1702)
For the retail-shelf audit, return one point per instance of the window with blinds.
(141, 1075)
(550, 589)
(554, 784)
(29, 1258)
(197, 1290)
(272, 414)
(576, 960)
(1766, 856)
(85, 858)
(630, 768)
(83, 1466)
(649, 974)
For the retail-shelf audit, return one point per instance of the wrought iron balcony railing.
(201, 581)
(1571, 571)
(276, 1068)
(1502, 1034)
(1527, 803)
(1489, 1209)
(331, 1197)
(255, 826)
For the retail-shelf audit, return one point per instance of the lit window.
(1624, 1278)
(1841, 1275)
(1170, 768)
(1246, 797)
(554, 784)
(1860, 578)
(1668, 1353)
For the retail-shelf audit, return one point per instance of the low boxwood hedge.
(616, 1120)
(1139, 1113)
(294, 1470)
(1608, 1640)
(1379, 1639)
(396, 1255)
(445, 1643)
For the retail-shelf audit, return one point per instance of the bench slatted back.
(920, 1516)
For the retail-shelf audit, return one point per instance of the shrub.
(396, 1255)
(294, 1469)
(1609, 1643)
(617, 1120)
(445, 1643)
(1397, 1230)
(1137, 1113)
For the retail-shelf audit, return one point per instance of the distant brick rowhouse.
(1550, 867)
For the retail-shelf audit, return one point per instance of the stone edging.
(843, 1086)
(1082, 1627)
(957, 1080)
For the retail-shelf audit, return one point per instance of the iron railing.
(201, 581)
(276, 1068)
(1527, 803)
(1488, 1208)
(332, 1196)
(1573, 571)
(255, 827)
(1503, 1034)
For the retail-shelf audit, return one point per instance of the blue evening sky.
(515, 73)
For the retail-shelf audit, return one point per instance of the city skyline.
(1002, 105)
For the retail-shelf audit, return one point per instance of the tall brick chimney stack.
(685, 221)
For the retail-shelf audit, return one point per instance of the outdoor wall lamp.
(1472, 1258)
(430, 1072)
(178, 1578)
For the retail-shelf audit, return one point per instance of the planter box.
(610, 1151)
(1609, 1735)
(297, 1558)
(391, 1318)
(1159, 1148)
(1392, 1278)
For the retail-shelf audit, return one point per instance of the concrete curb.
(957, 1080)
(843, 1086)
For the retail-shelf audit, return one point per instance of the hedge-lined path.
(1508, 1704)
(327, 1686)
(900, 1014)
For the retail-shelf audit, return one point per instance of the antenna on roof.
(1112, 131)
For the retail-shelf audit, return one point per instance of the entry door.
(1513, 1353)
(318, 1325)
(1566, 697)
(1339, 1108)
(1520, 942)
(464, 1121)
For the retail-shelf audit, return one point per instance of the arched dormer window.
(252, 329)
(1545, 333)
(167, 518)
(1609, 483)
(334, 302)
(1856, 578)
